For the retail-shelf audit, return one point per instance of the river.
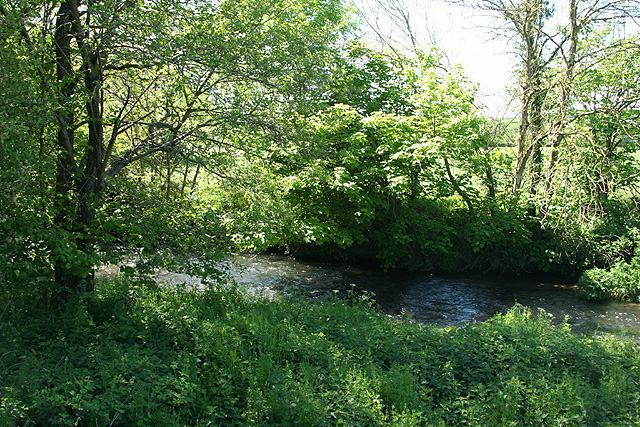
(436, 299)
(426, 298)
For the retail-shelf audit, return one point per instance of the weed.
(134, 355)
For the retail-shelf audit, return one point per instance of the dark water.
(435, 299)
(425, 298)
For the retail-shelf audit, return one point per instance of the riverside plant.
(621, 282)
(136, 355)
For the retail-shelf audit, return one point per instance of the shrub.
(621, 281)
(133, 355)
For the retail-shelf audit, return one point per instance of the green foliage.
(24, 176)
(594, 188)
(371, 81)
(391, 175)
(185, 234)
(254, 210)
(621, 281)
(409, 179)
(615, 234)
(502, 239)
(154, 91)
(136, 355)
(423, 236)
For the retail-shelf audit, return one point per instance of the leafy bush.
(132, 355)
(621, 281)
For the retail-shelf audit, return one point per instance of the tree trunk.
(537, 132)
(78, 186)
(491, 183)
(194, 182)
(528, 19)
(92, 183)
(522, 155)
(456, 186)
(559, 128)
(66, 282)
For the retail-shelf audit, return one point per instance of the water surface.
(426, 298)
(441, 300)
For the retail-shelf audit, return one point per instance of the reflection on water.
(434, 299)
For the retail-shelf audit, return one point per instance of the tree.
(584, 17)
(605, 127)
(363, 177)
(134, 79)
(551, 60)
(371, 81)
(527, 22)
(452, 128)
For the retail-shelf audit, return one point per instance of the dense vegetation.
(168, 133)
(183, 130)
(135, 355)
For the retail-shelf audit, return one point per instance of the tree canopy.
(97, 87)
(181, 130)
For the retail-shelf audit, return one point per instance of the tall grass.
(135, 356)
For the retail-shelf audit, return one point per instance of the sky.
(488, 61)
(467, 38)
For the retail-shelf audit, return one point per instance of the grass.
(134, 356)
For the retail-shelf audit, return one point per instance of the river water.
(435, 299)
(425, 298)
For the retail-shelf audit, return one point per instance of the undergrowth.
(620, 282)
(134, 356)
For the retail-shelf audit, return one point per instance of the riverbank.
(131, 355)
